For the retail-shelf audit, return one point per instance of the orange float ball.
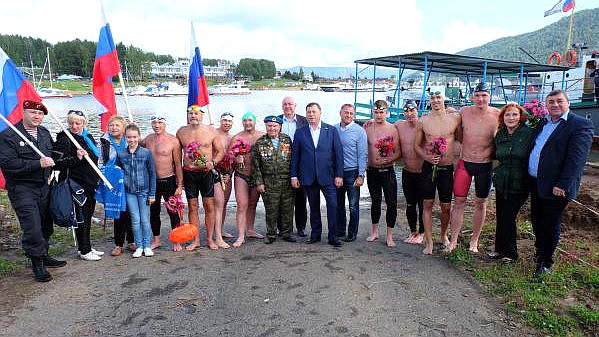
(185, 232)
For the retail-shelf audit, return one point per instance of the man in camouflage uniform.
(271, 161)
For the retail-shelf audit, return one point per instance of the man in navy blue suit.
(317, 165)
(555, 165)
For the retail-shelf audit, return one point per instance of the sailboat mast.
(32, 70)
(49, 68)
(569, 45)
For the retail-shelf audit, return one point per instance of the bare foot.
(390, 243)
(222, 244)
(428, 250)
(255, 235)
(155, 245)
(372, 237)
(177, 247)
(192, 246)
(447, 243)
(418, 239)
(409, 238)
(473, 248)
(449, 247)
(212, 245)
(227, 235)
(238, 242)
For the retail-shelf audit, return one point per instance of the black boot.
(40, 273)
(50, 262)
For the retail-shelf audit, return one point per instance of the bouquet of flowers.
(193, 152)
(536, 112)
(223, 168)
(386, 146)
(437, 147)
(240, 148)
(175, 204)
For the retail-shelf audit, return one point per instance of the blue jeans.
(138, 207)
(353, 196)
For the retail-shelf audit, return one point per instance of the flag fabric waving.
(106, 66)
(198, 91)
(561, 6)
(14, 89)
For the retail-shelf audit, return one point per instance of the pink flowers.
(386, 146)
(240, 148)
(437, 147)
(536, 112)
(194, 153)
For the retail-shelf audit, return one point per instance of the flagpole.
(209, 115)
(20, 134)
(78, 146)
(125, 96)
(568, 46)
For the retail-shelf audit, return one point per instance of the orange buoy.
(183, 233)
(570, 58)
(554, 56)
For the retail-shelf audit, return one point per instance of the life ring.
(554, 56)
(570, 58)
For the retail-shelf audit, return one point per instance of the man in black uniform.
(26, 177)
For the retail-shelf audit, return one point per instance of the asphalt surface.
(284, 289)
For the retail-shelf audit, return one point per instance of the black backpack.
(66, 197)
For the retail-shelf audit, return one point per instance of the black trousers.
(165, 188)
(30, 202)
(383, 180)
(301, 211)
(546, 224)
(506, 228)
(123, 230)
(411, 184)
(82, 232)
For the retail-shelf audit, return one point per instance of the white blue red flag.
(106, 67)
(561, 6)
(14, 89)
(198, 91)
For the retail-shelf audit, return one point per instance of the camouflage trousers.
(278, 200)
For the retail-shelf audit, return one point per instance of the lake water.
(261, 103)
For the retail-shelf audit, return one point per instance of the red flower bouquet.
(240, 148)
(437, 147)
(193, 152)
(536, 112)
(386, 146)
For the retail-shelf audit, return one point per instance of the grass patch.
(563, 304)
(8, 267)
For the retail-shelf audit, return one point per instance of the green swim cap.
(249, 115)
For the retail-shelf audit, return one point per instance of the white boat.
(53, 93)
(167, 89)
(336, 87)
(229, 89)
(50, 92)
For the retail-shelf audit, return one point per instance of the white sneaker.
(148, 252)
(97, 252)
(138, 252)
(90, 257)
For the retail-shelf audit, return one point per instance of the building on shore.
(180, 69)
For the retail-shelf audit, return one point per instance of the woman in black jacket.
(512, 147)
(71, 164)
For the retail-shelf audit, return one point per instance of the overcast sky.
(291, 33)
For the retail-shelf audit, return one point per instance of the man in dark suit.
(292, 122)
(555, 165)
(317, 165)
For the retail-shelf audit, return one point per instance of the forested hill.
(542, 42)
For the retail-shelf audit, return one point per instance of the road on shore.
(284, 289)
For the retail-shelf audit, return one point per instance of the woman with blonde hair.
(69, 160)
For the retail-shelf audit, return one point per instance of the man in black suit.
(555, 165)
(292, 122)
(317, 165)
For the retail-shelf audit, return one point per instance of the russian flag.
(561, 6)
(14, 89)
(106, 67)
(198, 91)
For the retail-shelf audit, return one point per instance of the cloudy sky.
(291, 33)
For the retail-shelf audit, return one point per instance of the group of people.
(296, 160)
